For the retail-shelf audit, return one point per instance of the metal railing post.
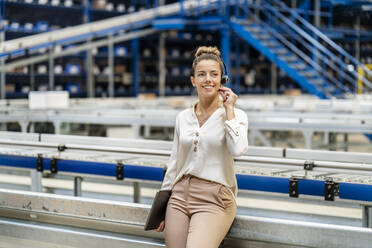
(77, 186)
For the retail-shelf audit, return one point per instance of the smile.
(208, 87)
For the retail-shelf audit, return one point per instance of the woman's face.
(207, 78)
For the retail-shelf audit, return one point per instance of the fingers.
(161, 226)
(223, 96)
(229, 97)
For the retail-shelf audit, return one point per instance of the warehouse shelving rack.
(161, 73)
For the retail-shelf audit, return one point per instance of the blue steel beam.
(349, 191)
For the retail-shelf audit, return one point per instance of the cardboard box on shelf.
(10, 88)
(119, 69)
(99, 4)
(292, 92)
(127, 78)
(177, 102)
(146, 96)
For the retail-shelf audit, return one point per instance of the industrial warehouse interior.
(90, 91)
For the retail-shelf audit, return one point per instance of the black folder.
(157, 211)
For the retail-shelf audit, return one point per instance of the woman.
(200, 172)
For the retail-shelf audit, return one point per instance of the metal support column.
(88, 59)
(51, 69)
(326, 138)
(274, 78)
(346, 142)
(89, 71)
(32, 77)
(147, 131)
(77, 186)
(86, 16)
(2, 79)
(136, 192)
(357, 40)
(317, 13)
(367, 216)
(254, 133)
(162, 67)
(2, 68)
(294, 4)
(332, 141)
(257, 11)
(36, 181)
(2, 60)
(57, 127)
(24, 126)
(308, 135)
(136, 131)
(135, 57)
(111, 66)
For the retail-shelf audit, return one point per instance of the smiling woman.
(200, 172)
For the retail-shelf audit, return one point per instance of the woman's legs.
(176, 228)
(208, 229)
(199, 214)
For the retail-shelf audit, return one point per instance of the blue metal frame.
(239, 29)
(304, 29)
(350, 191)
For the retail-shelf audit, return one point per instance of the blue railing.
(331, 62)
(330, 48)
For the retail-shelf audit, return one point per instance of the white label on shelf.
(48, 99)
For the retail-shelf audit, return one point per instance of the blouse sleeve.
(237, 134)
(171, 173)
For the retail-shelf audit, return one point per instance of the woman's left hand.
(229, 97)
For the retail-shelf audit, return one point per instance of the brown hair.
(207, 53)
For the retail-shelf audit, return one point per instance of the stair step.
(298, 66)
(253, 29)
(262, 36)
(281, 50)
(270, 43)
(289, 58)
(309, 73)
(316, 81)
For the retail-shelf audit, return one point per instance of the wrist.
(230, 114)
(229, 108)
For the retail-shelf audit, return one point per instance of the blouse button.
(196, 142)
(195, 149)
(197, 134)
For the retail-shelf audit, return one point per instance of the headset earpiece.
(225, 77)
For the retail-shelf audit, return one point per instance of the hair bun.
(207, 50)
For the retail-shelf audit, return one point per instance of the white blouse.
(207, 151)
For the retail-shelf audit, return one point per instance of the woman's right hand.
(161, 226)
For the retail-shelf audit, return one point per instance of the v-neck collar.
(196, 118)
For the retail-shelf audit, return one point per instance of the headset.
(225, 76)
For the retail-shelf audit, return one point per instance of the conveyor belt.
(261, 169)
(307, 123)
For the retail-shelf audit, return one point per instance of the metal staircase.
(311, 59)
